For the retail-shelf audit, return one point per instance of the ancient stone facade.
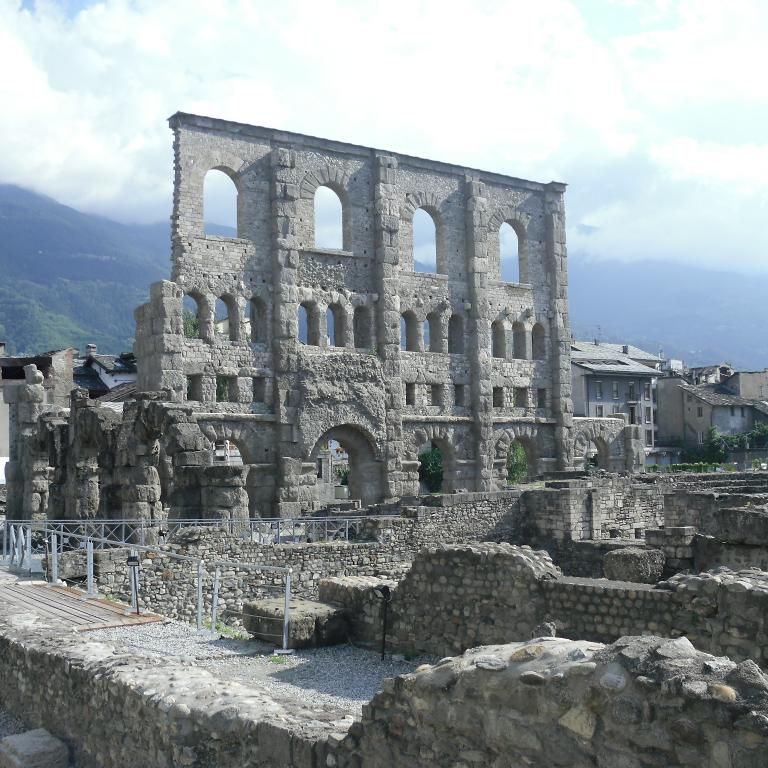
(496, 367)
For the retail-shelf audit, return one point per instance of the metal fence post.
(199, 594)
(54, 574)
(287, 608)
(91, 592)
(28, 551)
(5, 540)
(215, 599)
(12, 543)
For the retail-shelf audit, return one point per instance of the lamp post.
(384, 593)
(133, 564)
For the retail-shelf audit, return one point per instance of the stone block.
(33, 749)
(643, 565)
(311, 623)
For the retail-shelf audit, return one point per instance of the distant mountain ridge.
(68, 278)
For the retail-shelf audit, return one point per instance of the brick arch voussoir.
(326, 176)
(512, 216)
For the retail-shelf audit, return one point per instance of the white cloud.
(614, 99)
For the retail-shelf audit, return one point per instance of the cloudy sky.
(653, 111)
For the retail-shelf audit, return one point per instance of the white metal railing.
(18, 553)
(258, 530)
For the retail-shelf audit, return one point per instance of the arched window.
(219, 204)
(361, 320)
(258, 319)
(513, 260)
(498, 339)
(227, 318)
(309, 324)
(433, 333)
(409, 334)
(336, 326)
(329, 219)
(424, 242)
(192, 309)
(519, 341)
(456, 334)
(538, 342)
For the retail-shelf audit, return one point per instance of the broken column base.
(312, 624)
(33, 749)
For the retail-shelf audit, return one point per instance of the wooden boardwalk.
(67, 606)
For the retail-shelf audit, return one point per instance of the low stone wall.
(640, 702)
(116, 710)
(454, 598)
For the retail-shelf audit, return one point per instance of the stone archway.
(444, 440)
(591, 451)
(524, 435)
(365, 478)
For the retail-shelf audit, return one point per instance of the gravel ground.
(336, 680)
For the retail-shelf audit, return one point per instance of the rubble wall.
(544, 703)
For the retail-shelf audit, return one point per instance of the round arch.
(591, 450)
(365, 479)
(525, 435)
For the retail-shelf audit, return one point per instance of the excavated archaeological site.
(592, 616)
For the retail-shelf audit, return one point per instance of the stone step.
(33, 749)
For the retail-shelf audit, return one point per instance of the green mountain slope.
(67, 278)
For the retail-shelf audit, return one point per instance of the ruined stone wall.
(454, 598)
(639, 702)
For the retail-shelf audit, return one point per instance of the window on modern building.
(700, 411)
(598, 390)
(329, 219)
(632, 392)
(519, 341)
(648, 414)
(259, 389)
(498, 339)
(436, 394)
(361, 321)
(521, 397)
(701, 438)
(409, 334)
(456, 334)
(541, 398)
(615, 386)
(410, 393)
(219, 202)
(424, 242)
(458, 394)
(649, 437)
(195, 387)
(258, 321)
(599, 411)
(647, 390)
(742, 411)
(689, 397)
(498, 397)
(538, 342)
(733, 411)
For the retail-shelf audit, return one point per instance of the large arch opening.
(424, 241)
(437, 466)
(513, 260)
(227, 318)
(538, 342)
(498, 340)
(336, 326)
(329, 219)
(354, 453)
(591, 453)
(194, 315)
(409, 332)
(220, 201)
(516, 460)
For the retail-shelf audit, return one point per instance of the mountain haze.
(69, 278)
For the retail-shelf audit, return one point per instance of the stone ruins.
(626, 581)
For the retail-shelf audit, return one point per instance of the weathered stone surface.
(634, 564)
(33, 749)
(311, 623)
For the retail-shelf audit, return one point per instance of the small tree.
(431, 469)
(517, 463)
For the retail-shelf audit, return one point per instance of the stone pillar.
(222, 492)
(560, 359)
(285, 265)
(480, 332)
(401, 475)
(26, 471)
